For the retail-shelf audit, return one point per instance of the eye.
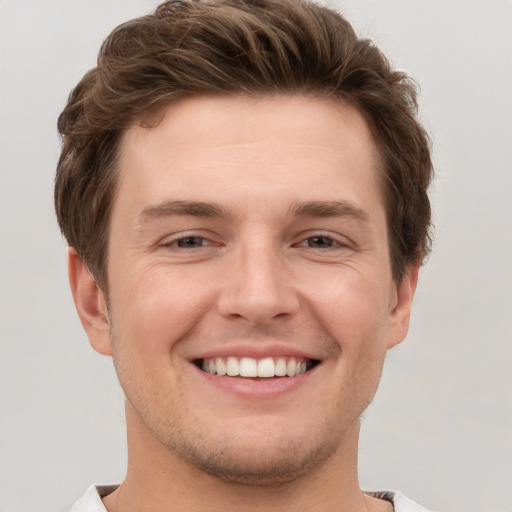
(190, 242)
(323, 241)
(319, 242)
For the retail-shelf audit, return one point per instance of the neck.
(159, 480)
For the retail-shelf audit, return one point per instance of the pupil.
(320, 241)
(190, 241)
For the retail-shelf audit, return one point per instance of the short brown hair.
(251, 47)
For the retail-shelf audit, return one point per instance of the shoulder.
(91, 500)
(401, 503)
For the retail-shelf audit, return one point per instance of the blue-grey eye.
(320, 242)
(190, 242)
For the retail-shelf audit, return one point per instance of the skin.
(287, 254)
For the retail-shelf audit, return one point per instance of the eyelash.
(176, 242)
(333, 242)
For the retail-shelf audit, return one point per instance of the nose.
(258, 287)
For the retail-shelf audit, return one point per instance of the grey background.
(440, 427)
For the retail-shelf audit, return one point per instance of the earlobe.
(401, 313)
(90, 304)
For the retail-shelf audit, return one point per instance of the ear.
(401, 312)
(90, 304)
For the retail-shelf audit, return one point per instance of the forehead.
(288, 145)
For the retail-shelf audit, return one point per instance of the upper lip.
(255, 350)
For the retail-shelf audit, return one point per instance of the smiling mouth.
(268, 367)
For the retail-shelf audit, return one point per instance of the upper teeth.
(249, 367)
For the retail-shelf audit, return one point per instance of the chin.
(261, 465)
(273, 455)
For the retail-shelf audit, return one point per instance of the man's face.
(249, 235)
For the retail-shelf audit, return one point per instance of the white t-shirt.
(91, 500)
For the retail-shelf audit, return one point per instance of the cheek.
(353, 310)
(154, 310)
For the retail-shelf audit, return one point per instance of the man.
(243, 188)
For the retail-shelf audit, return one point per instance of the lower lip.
(256, 388)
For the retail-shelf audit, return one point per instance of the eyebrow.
(194, 208)
(298, 209)
(328, 209)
